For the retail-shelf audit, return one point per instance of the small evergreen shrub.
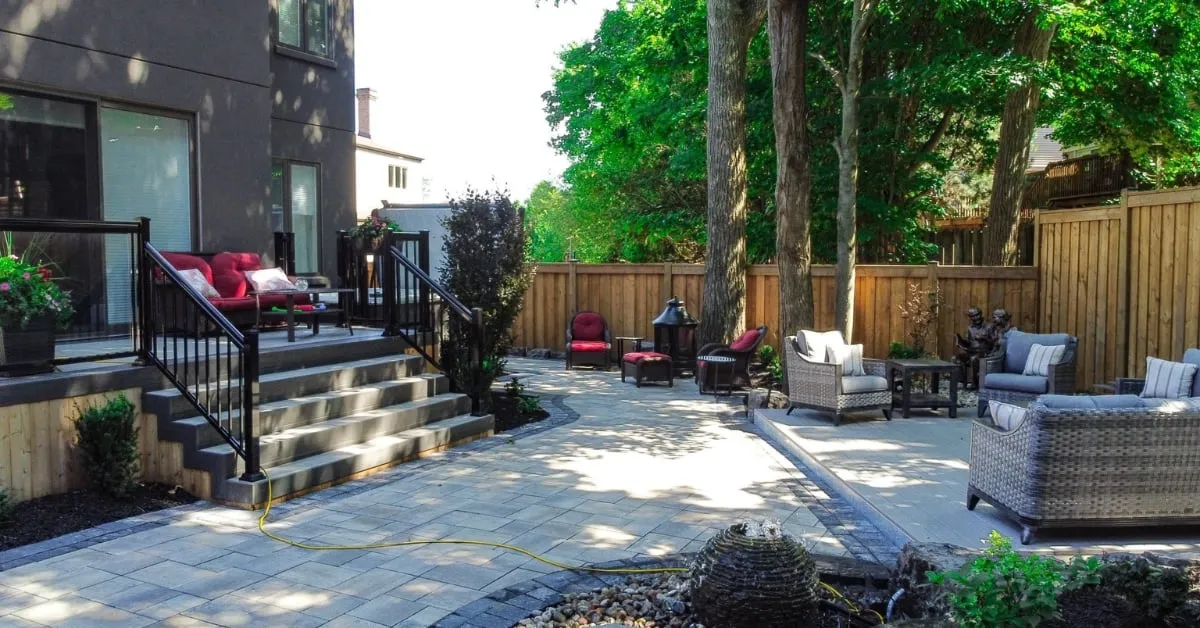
(1002, 588)
(6, 507)
(107, 439)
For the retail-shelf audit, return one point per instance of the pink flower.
(4, 287)
(25, 276)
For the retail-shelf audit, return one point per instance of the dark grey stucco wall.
(313, 120)
(141, 52)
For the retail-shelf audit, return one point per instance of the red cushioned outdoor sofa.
(588, 341)
(227, 273)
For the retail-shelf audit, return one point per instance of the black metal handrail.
(360, 267)
(212, 363)
(86, 256)
(426, 323)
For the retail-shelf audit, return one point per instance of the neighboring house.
(220, 121)
(1043, 150)
(385, 175)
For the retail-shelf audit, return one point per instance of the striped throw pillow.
(1041, 357)
(1005, 415)
(1168, 380)
(849, 356)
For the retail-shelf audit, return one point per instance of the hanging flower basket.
(752, 575)
(30, 350)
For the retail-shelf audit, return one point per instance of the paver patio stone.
(387, 610)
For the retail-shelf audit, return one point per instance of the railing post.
(426, 318)
(143, 285)
(477, 361)
(387, 284)
(250, 406)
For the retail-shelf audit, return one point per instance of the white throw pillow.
(269, 279)
(1005, 415)
(1041, 357)
(1168, 380)
(817, 342)
(196, 279)
(849, 356)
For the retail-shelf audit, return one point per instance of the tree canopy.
(628, 107)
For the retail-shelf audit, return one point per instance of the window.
(304, 25)
(295, 207)
(398, 177)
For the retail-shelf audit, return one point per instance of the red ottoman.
(648, 366)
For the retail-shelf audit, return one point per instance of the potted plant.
(32, 307)
(369, 233)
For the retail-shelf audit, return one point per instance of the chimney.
(365, 95)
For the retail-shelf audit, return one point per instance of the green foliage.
(107, 439)
(28, 289)
(901, 351)
(7, 506)
(485, 266)
(529, 404)
(771, 362)
(374, 226)
(1155, 590)
(514, 388)
(1004, 589)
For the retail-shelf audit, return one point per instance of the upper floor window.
(304, 24)
(398, 177)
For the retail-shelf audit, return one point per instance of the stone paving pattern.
(616, 474)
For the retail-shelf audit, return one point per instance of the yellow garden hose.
(262, 527)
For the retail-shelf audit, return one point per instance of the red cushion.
(229, 269)
(640, 356)
(229, 304)
(280, 300)
(745, 341)
(588, 326)
(588, 346)
(183, 261)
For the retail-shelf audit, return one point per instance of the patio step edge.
(298, 477)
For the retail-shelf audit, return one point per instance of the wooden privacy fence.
(1124, 278)
(630, 296)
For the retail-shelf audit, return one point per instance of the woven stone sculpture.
(752, 575)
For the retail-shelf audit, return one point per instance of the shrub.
(485, 266)
(769, 358)
(6, 507)
(107, 439)
(920, 309)
(1002, 588)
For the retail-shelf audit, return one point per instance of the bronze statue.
(1001, 323)
(978, 343)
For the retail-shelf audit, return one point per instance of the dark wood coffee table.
(905, 398)
(290, 312)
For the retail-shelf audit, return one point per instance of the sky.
(460, 83)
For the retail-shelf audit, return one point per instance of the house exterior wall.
(373, 185)
(247, 102)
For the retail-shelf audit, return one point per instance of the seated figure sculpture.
(979, 342)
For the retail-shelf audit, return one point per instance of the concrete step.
(366, 344)
(342, 463)
(196, 433)
(171, 404)
(299, 442)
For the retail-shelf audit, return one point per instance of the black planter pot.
(28, 351)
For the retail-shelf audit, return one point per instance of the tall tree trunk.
(731, 25)
(787, 25)
(1016, 133)
(847, 149)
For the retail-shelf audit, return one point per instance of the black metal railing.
(212, 363)
(428, 317)
(97, 263)
(360, 267)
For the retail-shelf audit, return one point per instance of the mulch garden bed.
(55, 515)
(509, 414)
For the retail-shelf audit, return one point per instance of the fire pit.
(675, 335)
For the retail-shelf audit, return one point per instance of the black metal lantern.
(675, 335)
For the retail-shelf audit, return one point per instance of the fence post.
(668, 284)
(1123, 288)
(250, 406)
(143, 283)
(424, 315)
(933, 290)
(572, 285)
(477, 333)
(387, 284)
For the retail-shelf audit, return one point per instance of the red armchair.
(588, 341)
(742, 350)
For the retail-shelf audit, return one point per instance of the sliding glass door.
(296, 207)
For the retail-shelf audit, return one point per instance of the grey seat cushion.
(1019, 383)
(856, 384)
(1097, 402)
(1192, 356)
(1018, 343)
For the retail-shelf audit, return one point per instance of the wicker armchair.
(819, 385)
(1076, 461)
(1000, 377)
(588, 340)
(741, 350)
(1134, 385)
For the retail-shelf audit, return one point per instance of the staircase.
(329, 411)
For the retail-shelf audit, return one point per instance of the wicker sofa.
(819, 385)
(1075, 461)
(1000, 377)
